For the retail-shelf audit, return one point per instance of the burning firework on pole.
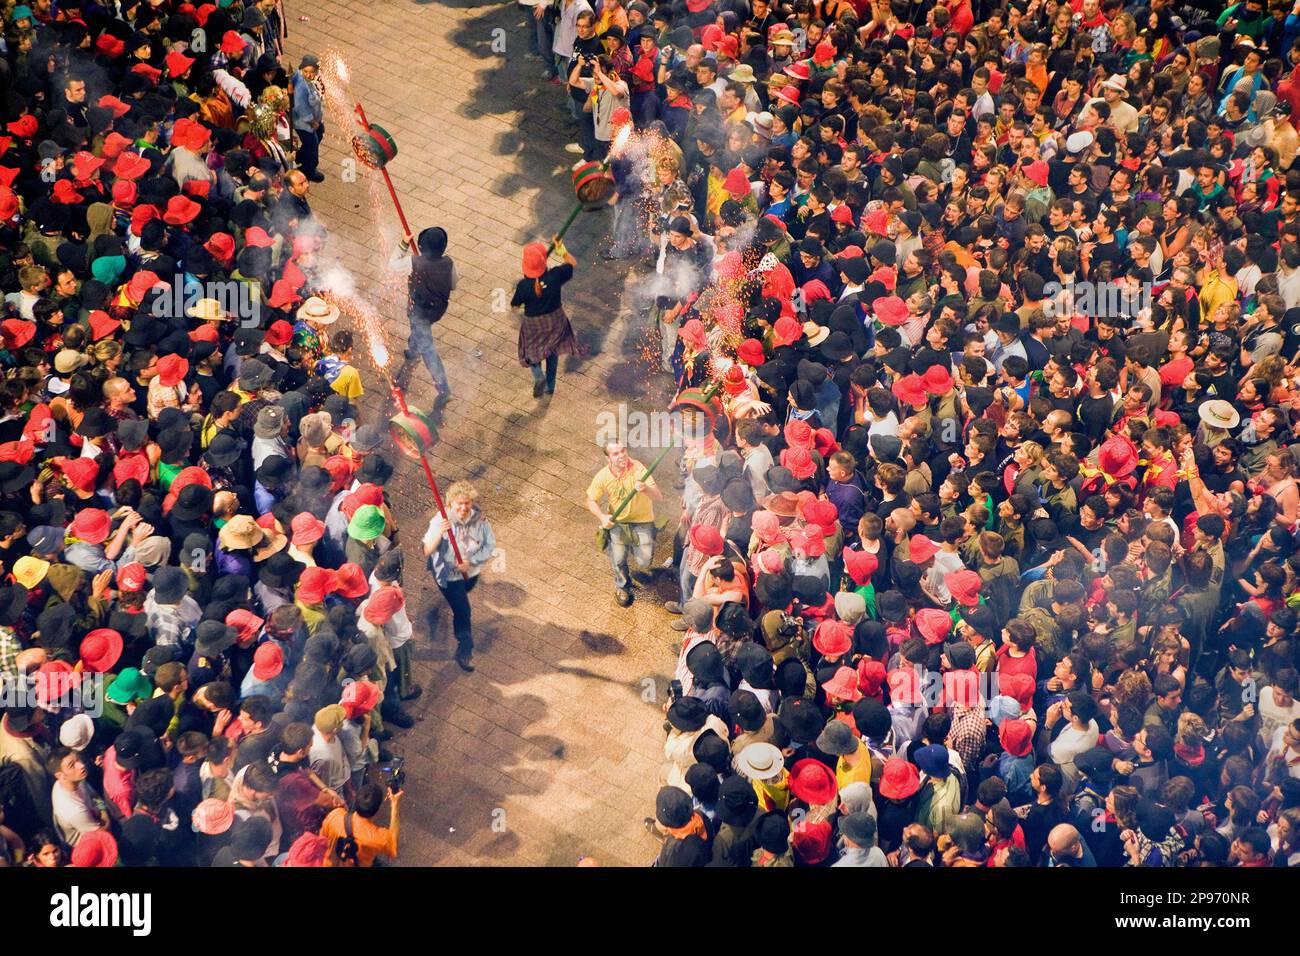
(592, 183)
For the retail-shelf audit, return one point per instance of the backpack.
(346, 847)
(1001, 596)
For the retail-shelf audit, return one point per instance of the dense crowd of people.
(985, 318)
(204, 641)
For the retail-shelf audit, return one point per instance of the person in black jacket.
(433, 278)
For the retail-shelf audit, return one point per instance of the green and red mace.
(375, 147)
(696, 406)
(592, 183)
(412, 431)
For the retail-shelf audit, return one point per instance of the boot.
(400, 718)
(465, 658)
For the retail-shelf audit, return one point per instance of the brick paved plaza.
(550, 750)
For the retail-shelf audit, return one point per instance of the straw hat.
(318, 311)
(760, 761)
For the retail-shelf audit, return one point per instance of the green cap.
(367, 523)
(130, 685)
(107, 268)
(22, 12)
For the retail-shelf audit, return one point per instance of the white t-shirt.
(74, 812)
(1272, 716)
(329, 760)
(1071, 742)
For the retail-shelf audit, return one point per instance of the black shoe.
(415, 692)
(316, 177)
(623, 596)
(385, 753)
(442, 399)
(383, 735)
(550, 389)
(538, 388)
(465, 660)
(400, 718)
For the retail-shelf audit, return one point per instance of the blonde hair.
(462, 489)
(106, 351)
(1033, 451)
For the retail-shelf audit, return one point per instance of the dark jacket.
(430, 288)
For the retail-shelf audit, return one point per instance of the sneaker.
(623, 596)
(400, 718)
(316, 177)
(465, 660)
(574, 148)
(679, 625)
(413, 694)
(538, 388)
(672, 607)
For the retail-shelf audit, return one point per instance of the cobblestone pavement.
(550, 750)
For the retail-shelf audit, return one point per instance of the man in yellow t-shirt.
(613, 484)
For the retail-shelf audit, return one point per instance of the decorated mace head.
(592, 183)
(701, 411)
(374, 146)
(413, 433)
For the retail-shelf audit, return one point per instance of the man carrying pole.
(629, 490)
(432, 280)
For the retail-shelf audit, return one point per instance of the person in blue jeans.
(622, 483)
(308, 117)
(455, 578)
(432, 281)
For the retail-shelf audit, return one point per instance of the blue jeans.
(643, 533)
(421, 343)
(552, 367)
(687, 582)
(457, 595)
(543, 40)
(309, 149)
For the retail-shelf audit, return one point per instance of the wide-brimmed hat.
(760, 761)
(837, 739)
(899, 779)
(1218, 413)
(813, 782)
(318, 311)
(1117, 456)
(242, 533)
(687, 714)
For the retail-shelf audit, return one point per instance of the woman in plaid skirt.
(545, 331)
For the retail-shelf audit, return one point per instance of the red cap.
(132, 577)
(706, 539)
(842, 213)
(20, 451)
(130, 166)
(891, 310)
(102, 324)
(786, 331)
(110, 102)
(132, 467)
(222, 246)
(100, 649)
(85, 163)
(280, 333)
(96, 848)
(383, 604)
(921, 549)
(833, 638)
(268, 661)
(248, 624)
(306, 528)
(798, 434)
(172, 370)
(178, 63)
(257, 237)
(910, 390)
(1017, 737)
(315, 583)
(16, 333)
(351, 582)
(180, 210)
(900, 779)
(534, 265)
(360, 697)
(736, 183)
(937, 380)
(933, 624)
(843, 685)
(964, 585)
(860, 565)
(91, 525)
(82, 473)
(232, 44)
(813, 782)
(799, 461)
(750, 352)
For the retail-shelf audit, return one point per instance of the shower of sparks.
(366, 312)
